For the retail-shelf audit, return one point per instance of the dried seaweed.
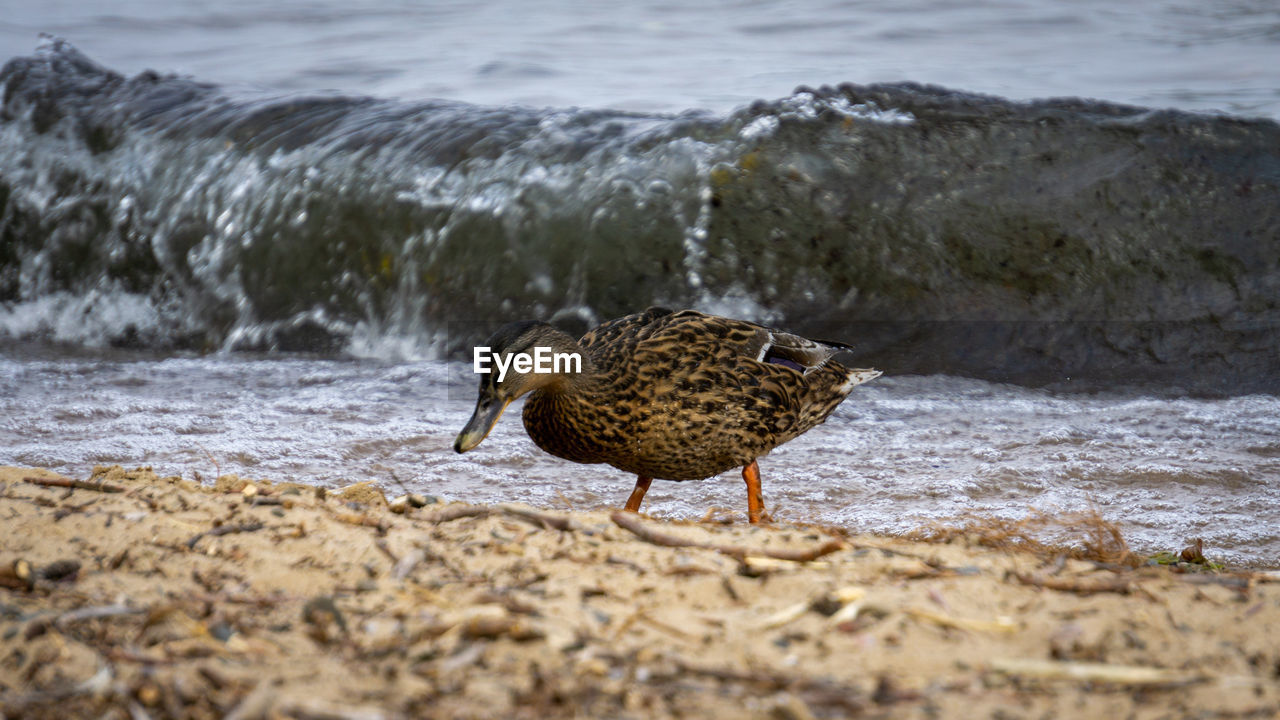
(1082, 535)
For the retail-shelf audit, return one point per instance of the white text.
(543, 360)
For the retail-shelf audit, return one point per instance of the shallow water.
(899, 452)
(661, 56)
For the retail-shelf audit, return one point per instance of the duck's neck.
(573, 371)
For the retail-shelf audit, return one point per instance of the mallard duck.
(666, 395)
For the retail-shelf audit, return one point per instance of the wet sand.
(139, 596)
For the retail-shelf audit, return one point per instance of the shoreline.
(136, 595)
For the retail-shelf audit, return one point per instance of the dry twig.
(225, 530)
(74, 484)
(456, 512)
(1002, 624)
(1094, 672)
(544, 520)
(628, 521)
(1081, 586)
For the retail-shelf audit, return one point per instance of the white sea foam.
(93, 319)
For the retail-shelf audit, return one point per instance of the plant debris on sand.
(129, 595)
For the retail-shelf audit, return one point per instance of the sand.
(137, 596)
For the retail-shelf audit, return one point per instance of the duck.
(662, 394)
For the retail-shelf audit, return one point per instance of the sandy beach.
(127, 595)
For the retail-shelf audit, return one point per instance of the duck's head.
(519, 358)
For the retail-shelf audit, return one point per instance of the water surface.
(663, 56)
(899, 452)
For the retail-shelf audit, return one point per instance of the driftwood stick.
(74, 484)
(804, 555)
(1239, 582)
(629, 521)
(544, 520)
(1002, 625)
(1094, 672)
(1081, 586)
(457, 512)
(136, 656)
(231, 529)
(71, 617)
(362, 520)
(225, 530)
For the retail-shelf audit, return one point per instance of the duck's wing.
(795, 352)
(698, 337)
(755, 342)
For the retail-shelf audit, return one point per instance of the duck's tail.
(857, 376)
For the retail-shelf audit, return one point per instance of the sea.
(263, 239)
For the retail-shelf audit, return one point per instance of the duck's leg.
(637, 495)
(755, 498)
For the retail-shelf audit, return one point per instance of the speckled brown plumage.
(677, 395)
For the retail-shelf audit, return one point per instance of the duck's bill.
(481, 422)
